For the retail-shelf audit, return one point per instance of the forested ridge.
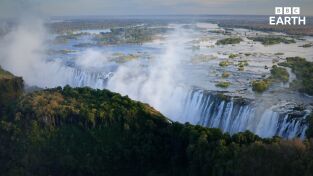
(83, 131)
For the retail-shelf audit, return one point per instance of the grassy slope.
(5, 74)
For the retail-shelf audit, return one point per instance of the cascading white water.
(210, 110)
(97, 80)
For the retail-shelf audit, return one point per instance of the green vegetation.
(309, 131)
(279, 74)
(224, 63)
(65, 51)
(223, 84)
(68, 36)
(136, 35)
(272, 40)
(307, 45)
(117, 35)
(122, 58)
(304, 71)
(217, 31)
(5, 74)
(232, 56)
(95, 132)
(228, 41)
(279, 54)
(82, 131)
(223, 97)
(11, 88)
(241, 65)
(260, 85)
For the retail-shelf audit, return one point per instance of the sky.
(13, 8)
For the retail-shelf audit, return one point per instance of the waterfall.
(93, 79)
(73, 76)
(209, 109)
(234, 115)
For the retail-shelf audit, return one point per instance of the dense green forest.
(82, 131)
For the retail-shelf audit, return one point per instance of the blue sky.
(11, 8)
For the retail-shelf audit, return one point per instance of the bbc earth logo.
(287, 16)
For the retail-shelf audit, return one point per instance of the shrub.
(260, 85)
(243, 63)
(224, 63)
(272, 40)
(232, 56)
(228, 41)
(279, 74)
(223, 84)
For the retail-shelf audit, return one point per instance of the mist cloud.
(22, 52)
